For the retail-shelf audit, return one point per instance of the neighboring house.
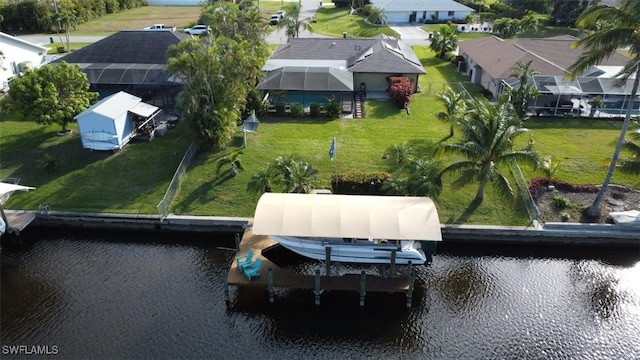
(309, 70)
(488, 61)
(113, 121)
(403, 11)
(132, 61)
(17, 56)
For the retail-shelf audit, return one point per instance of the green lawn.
(134, 180)
(332, 21)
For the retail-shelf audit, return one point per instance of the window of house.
(451, 13)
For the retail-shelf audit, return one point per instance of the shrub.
(280, 109)
(400, 90)
(565, 217)
(314, 109)
(297, 110)
(561, 202)
(358, 182)
(333, 108)
(50, 163)
(60, 49)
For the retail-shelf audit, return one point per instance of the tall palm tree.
(445, 40)
(454, 107)
(293, 23)
(521, 96)
(623, 31)
(631, 165)
(64, 21)
(488, 133)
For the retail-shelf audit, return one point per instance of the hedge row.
(358, 182)
(33, 15)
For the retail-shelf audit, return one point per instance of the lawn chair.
(244, 260)
(253, 270)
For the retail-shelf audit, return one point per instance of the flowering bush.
(400, 90)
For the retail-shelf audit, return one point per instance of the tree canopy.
(52, 93)
(620, 31)
(219, 70)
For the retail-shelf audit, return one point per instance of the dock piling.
(410, 291)
(392, 267)
(318, 287)
(237, 237)
(226, 291)
(327, 270)
(363, 282)
(271, 294)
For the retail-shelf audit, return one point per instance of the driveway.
(411, 34)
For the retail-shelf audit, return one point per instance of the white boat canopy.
(7, 188)
(347, 216)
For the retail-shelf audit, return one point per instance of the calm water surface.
(113, 296)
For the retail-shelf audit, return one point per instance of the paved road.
(412, 34)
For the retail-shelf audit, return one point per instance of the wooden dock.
(18, 221)
(283, 278)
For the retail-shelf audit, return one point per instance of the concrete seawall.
(549, 234)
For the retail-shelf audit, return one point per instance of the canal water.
(132, 296)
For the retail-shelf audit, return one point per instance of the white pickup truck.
(159, 27)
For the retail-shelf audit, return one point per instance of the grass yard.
(130, 181)
(136, 19)
(334, 21)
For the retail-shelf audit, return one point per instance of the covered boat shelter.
(347, 216)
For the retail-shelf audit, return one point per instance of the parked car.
(198, 29)
(159, 27)
(275, 19)
(281, 13)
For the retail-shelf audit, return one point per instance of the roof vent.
(333, 43)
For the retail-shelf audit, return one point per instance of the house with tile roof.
(17, 56)
(131, 61)
(313, 69)
(407, 11)
(488, 61)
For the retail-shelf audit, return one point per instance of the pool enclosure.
(592, 96)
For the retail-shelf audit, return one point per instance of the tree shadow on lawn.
(27, 151)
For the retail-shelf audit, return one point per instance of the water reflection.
(135, 296)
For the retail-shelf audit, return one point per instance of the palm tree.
(303, 177)
(424, 178)
(622, 32)
(232, 159)
(521, 96)
(293, 23)
(263, 180)
(64, 21)
(631, 165)
(454, 107)
(488, 133)
(530, 22)
(445, 40)
(377, 15)
(283, 166)
(506, 26)
(549, 168)
(399, 153)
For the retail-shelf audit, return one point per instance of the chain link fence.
(170, 194)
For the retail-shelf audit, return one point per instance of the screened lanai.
(594, 96)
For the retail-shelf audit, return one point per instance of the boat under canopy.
(358, 228)
(347, 216)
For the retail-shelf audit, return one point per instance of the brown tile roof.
(551, 56)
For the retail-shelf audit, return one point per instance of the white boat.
(357, 228)
(355, 250)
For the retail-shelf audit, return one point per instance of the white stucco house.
(406, 11)
(17, 56)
